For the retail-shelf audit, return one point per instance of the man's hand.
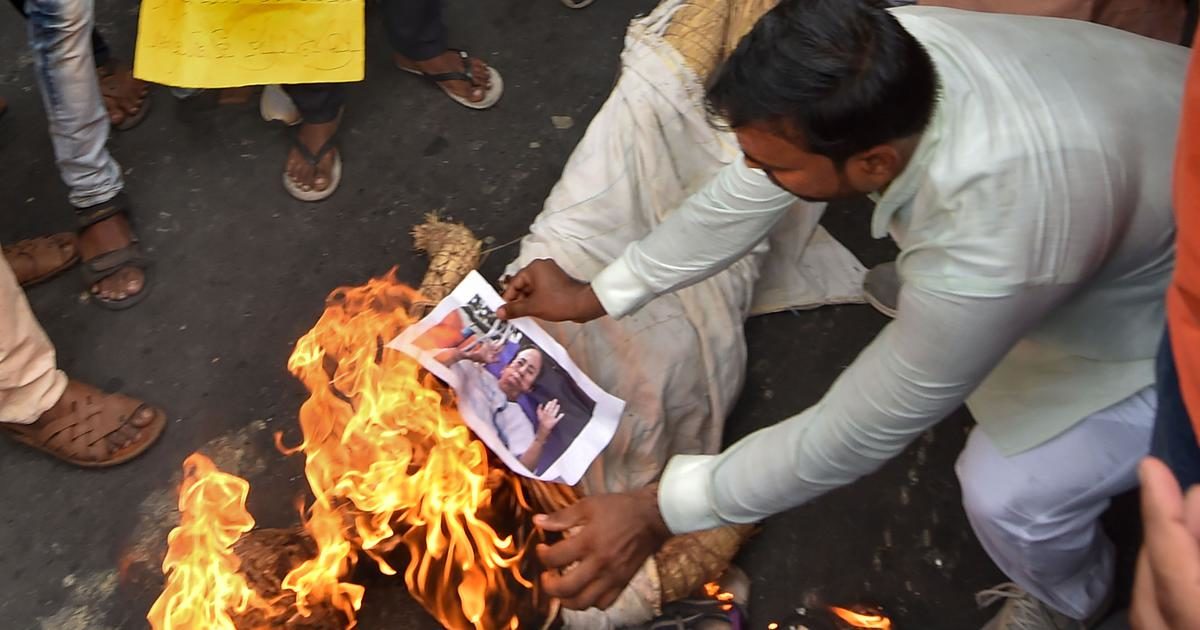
(549, 414)
(615, 535)
(543, 290)
(482, 351)
(1166, 593)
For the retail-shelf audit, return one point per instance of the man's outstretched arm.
(916, 372)
(711, 230)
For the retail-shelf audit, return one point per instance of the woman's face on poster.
(520, 374)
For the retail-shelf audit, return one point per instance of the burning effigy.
(397, 479)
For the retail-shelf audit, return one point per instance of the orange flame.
(713, 590)
(387, 463)
(383, 452)
(858, 620)
(203, 583)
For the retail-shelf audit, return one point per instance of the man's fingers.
(1161, 497)
(513, 309)
(564, 519)
(574, 582)
(1191, 511)
(563, 553)
(1172, 552)
(519, 284)
(1144, 613)
(609, 598)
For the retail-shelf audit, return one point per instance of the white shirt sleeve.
(516, 427)
(919, 369)
(711, 230)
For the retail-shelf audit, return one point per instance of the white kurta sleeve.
(919, 369)
(711, 230)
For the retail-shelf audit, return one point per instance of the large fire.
(388, 464)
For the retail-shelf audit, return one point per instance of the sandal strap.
(464, 75)
(80, 433)
(92, 215)
(312, 158)
(88, 426)
(34, 257)
(109, 263)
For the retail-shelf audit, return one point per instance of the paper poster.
(517, 389)
(231, 43)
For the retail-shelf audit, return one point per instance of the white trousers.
(1037, 513)
(30, 382)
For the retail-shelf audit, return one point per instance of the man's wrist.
(648, 499)
(589, 304)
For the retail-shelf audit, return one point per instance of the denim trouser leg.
(60, 36)
(100, 47)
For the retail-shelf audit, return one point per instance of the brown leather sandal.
(110, 263)
(116, 84)
(82, 427)
(35, 260)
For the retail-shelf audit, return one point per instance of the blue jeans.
(60, 37)
(1174, 439)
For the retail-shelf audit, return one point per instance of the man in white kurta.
(1034, 219)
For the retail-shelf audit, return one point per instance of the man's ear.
(875, 167)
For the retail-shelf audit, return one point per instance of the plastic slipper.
(491, 98)
(335, 176)
(276, 105)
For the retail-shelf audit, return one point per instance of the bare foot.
(450, 61)
(107, 236)
(302, 172)
(124, 96)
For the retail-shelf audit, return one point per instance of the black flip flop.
(335, 175)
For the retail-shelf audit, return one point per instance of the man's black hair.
(838, 76)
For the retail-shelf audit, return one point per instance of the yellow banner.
(230, 43)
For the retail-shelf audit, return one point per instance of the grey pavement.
(241, 271)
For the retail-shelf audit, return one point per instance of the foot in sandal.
(126, 98)
(314, 166)
(90, 428)
(35, 260)
(113, 266)
(465, 79)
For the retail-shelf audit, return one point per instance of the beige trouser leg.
(1160, 19)
(29, 381)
